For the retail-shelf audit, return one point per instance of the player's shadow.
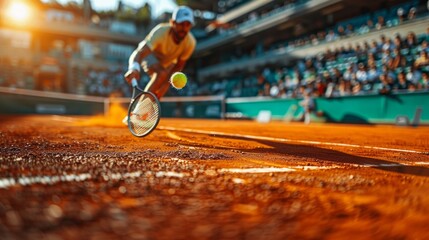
(309, 151)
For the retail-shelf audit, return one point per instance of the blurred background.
(271, 49)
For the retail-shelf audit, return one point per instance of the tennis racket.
(144, 111)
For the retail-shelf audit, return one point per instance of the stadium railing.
(24, 101)
(369, 109)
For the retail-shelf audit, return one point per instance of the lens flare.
(18, 12)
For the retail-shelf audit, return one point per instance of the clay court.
(66, 177)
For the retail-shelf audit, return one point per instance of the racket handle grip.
(134, 82)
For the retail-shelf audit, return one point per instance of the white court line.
(273, 169)
(421, 163)
(70, 119)
(50, 180)
(63, 119)
(257, 170)
(306, 168)
(287, 140)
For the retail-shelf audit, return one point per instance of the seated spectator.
(349, 74)
(388, 44)
(363, 29)
(342, 89)
(366, 86)
(414, 75)
(309, 76)
(384, 87)
(380, 23)
(373, 73)
(266, 90)
(330, 87)
(382, 41)
(386, 56)
(391, 76)
(370, 59)
(360, 53)
(424, 81)
(330, 55)
(314, 40)
(341, 31)
(374, 49)
(361, 73)
(397, 41)
(397, 60)
(412, 13)
(296, 76)
(412, 87)
(274, 90)
(424, 46)
(403, 83)
(422, 60)
(370, 24)
(401, 14)
(320, 88)
(350, 30)
(236, 91)
(321, 35)
(411, 41)
(331, 36)
(336, 75)
(357, 88)
(349, 50)
(366, 46)
(261, 81)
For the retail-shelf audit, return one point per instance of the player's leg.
(159, 83)
(164, 88)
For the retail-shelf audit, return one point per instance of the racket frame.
(137, 92)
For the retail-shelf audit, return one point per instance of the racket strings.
(144, 114)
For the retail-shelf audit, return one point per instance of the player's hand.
(131, 74)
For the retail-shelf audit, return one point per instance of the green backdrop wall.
(350, 109)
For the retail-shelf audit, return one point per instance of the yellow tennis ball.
(178, 80)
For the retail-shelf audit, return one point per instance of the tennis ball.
(178, 80)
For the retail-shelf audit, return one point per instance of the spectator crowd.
(380, 66)
(383, 66)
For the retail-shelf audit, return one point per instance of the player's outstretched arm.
(134, 61)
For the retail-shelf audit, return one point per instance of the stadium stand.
(322, 65)
(276, 48)
(68, 47)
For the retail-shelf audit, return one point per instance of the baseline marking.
(50, 180)
(287, 140)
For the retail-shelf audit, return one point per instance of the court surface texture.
(81, 177)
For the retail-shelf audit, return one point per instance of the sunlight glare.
(18, 12)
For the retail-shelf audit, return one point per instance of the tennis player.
(164, 51)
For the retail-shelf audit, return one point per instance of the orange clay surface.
(67, 177)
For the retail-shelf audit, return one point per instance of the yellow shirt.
(160, 41)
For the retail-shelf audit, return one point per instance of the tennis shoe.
(125, 121)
